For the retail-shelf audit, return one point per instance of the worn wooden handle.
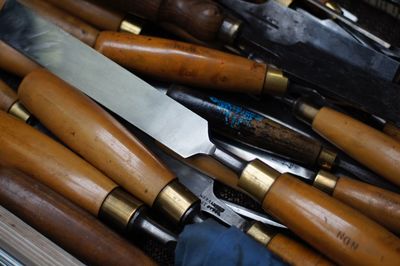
(369, 146)
(294, 253)
(95, 14)
(14, 62)
(62, 19)
(379, 204)
(94, 134)
(185, 63)
(26, 149)
(7, 96)
(64, 223)
(338, 231)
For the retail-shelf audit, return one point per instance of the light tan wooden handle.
(62, 19)
(294, 253)
(180, 62)
(7, 97)
(369, 146)
(14, 62)
(97, 15)
(28, 150)
(94, 134)
(341, 233)
(379, 204)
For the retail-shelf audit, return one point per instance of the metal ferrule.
(229, 30)
(19, 111)
(257, 178)
(332, 5)
(275, 82)
(261, 233)
(118, 209)
(177, 202)
(325, 181)
(131, 25)
(305, 111)
(327, 158)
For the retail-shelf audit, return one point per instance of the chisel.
(55, 217)
(335, 229)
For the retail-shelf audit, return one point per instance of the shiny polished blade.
(120, 91)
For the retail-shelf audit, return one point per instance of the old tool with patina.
(55, 217)
(335, 229)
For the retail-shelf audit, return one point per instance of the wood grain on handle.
(369, 146)
(7, 96)
(14, 62)
(185, 63)
(62, 19)
(26, 149)
(294, 253)
(64, 223)
(95, 14)
(379, 204)
(94, 134)
(338, 231)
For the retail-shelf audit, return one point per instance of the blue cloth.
(210, 243)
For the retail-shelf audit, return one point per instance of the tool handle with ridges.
(7, 96)
(183, 63)
(94, 134)
(369, 146)
(14, 62)
(335, 229)
(73, 229)
(379, 204)
(26, 149)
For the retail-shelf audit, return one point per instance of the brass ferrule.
(305, 111)
(275, 82)
(285, 2)
(176, 201)
(119, 208)
(333, 6)
(261, 233)
(326, 158)
(19, 111)
(229, 30)
(131, 25)
(257, 178)
(325, 181)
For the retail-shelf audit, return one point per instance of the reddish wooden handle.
(95, 14)
(369, 146)
(338, 231)
(62, 19)
(28, 150)
(294, 253)
(64, 223)
(94, 134)
(180, 62)
(7, 96)
(14, 62)
(381, 205)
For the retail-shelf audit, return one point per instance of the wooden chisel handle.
(14, 62)
(392, 130)
(28, 150)
(62, 19)
(190, 64)
(64, 223)
(7, 96)
(379, 204)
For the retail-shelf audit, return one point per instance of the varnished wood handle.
(28, 150)
(184, 63)
(62, 19)
(95, 14)
(7, 96)
(94, 134)
(294, 253)
(392, 130)
(64, 223)
(369, 146)
(381, 205)
(14, 62)
(338, 231)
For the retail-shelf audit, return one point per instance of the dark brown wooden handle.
(381, 205)
(62, 19)
(7, 96)
(338, 231)
(64, 223)
(392, 130)
(14, 62)
(94, 134)
(184, 63)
